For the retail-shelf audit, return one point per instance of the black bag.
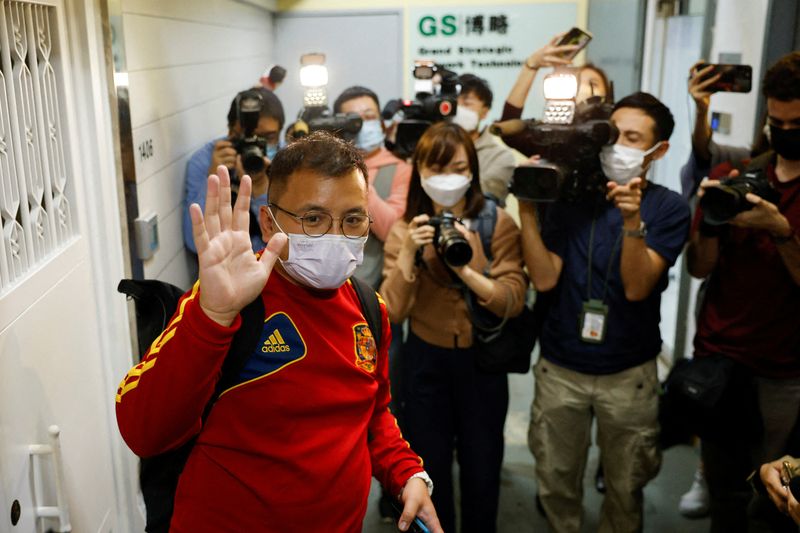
(712, 397)
(504, 345)
(156, 301)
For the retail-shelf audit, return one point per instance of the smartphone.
(417, 526)
(575, 36)
(733, 78)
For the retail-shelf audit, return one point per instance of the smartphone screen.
(578, 37)
(733, 78)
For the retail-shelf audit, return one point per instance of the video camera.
(248, 145)
(721, 204)
(316, 115)
(569, 139)
(451, 246)
(436, 97)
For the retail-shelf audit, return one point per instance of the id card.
(593, 321)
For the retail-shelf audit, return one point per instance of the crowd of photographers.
(596, 240)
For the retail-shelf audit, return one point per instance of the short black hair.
(277, 74)
(470, 83)
(782, 81)
(655, 109)
(320, 152)
(356, 91)
(271, 107)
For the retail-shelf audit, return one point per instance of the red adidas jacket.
(294, 445)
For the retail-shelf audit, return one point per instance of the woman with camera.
(435, 260)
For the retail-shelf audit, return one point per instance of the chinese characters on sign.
(492, 42)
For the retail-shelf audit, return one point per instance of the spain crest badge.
(366, 350)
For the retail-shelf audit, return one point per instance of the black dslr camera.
(437, 91)
(721, 204)
(449, 243)
(569, 139)
(250, 146)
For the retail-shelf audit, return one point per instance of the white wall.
(739, 27)
(186, 61)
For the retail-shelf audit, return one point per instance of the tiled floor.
(517, 508)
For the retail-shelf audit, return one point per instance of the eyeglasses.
(319, 223)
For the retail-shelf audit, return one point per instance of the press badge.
(593, 321)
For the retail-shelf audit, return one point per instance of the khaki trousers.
(625, 405)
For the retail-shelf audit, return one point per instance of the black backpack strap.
(368, 299)
(485, 223)
(242, 347)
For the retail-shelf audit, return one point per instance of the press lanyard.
(608, 267)
(593, 319)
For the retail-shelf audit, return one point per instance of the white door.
(52, 367)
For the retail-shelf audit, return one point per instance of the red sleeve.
(160, 401)
(511, 111)
(393, 461)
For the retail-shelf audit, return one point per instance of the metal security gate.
(34, 208)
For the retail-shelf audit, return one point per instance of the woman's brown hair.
(437, 147)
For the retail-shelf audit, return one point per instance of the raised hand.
(231, 276)
(627, 198)
(551, 54)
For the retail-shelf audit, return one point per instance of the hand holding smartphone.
(575, 37)
(732, 78)
(417, 526)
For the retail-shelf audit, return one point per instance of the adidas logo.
(275, 343)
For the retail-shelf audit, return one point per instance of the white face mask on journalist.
(324, 262)
(467, 118)
(622, 163)
(446, 189)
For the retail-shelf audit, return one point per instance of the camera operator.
(449, 404)
(606, 259)
(388, 177)
(749, 314)
(222, 151)
(497, 162)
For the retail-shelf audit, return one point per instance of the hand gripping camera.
(248, 145)
(449, 243)
(569, 138)
(721, 204)
(437, 91)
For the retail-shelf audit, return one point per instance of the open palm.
(231, 275)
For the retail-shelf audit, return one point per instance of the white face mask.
(466, 118)
(622, 163)
(370, 136)
(446, 189)
(324, 262)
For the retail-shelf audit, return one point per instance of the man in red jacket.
(293, 445)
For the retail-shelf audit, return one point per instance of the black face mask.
(786, 143)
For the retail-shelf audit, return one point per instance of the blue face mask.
(272, 149)
(370, 136)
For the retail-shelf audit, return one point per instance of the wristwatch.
(639, 233)
(426, 478)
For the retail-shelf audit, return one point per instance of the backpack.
(156, 301)
(505, 345)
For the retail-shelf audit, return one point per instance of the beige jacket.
(425, 294)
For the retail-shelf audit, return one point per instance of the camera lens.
(720, 204)
(452, 247)
(252, 159)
